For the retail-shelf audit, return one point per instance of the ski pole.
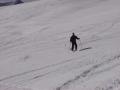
(80, 43)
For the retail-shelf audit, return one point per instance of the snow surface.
(35, 50)
(3, 1)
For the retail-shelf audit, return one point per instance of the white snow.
(35, 49)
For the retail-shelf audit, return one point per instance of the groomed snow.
(35, 50)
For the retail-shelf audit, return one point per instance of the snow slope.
(35, 49)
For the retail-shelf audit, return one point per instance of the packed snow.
(35, 48)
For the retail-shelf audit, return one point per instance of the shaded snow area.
(35, 49)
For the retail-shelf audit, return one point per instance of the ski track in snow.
(49, 66)
(90, 72)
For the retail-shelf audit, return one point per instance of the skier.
(73, 39)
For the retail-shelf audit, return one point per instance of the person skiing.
(73, 39)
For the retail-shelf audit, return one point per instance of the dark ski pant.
(74, 46)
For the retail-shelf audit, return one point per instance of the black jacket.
(73, 38)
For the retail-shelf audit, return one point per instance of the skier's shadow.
(85, 48)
